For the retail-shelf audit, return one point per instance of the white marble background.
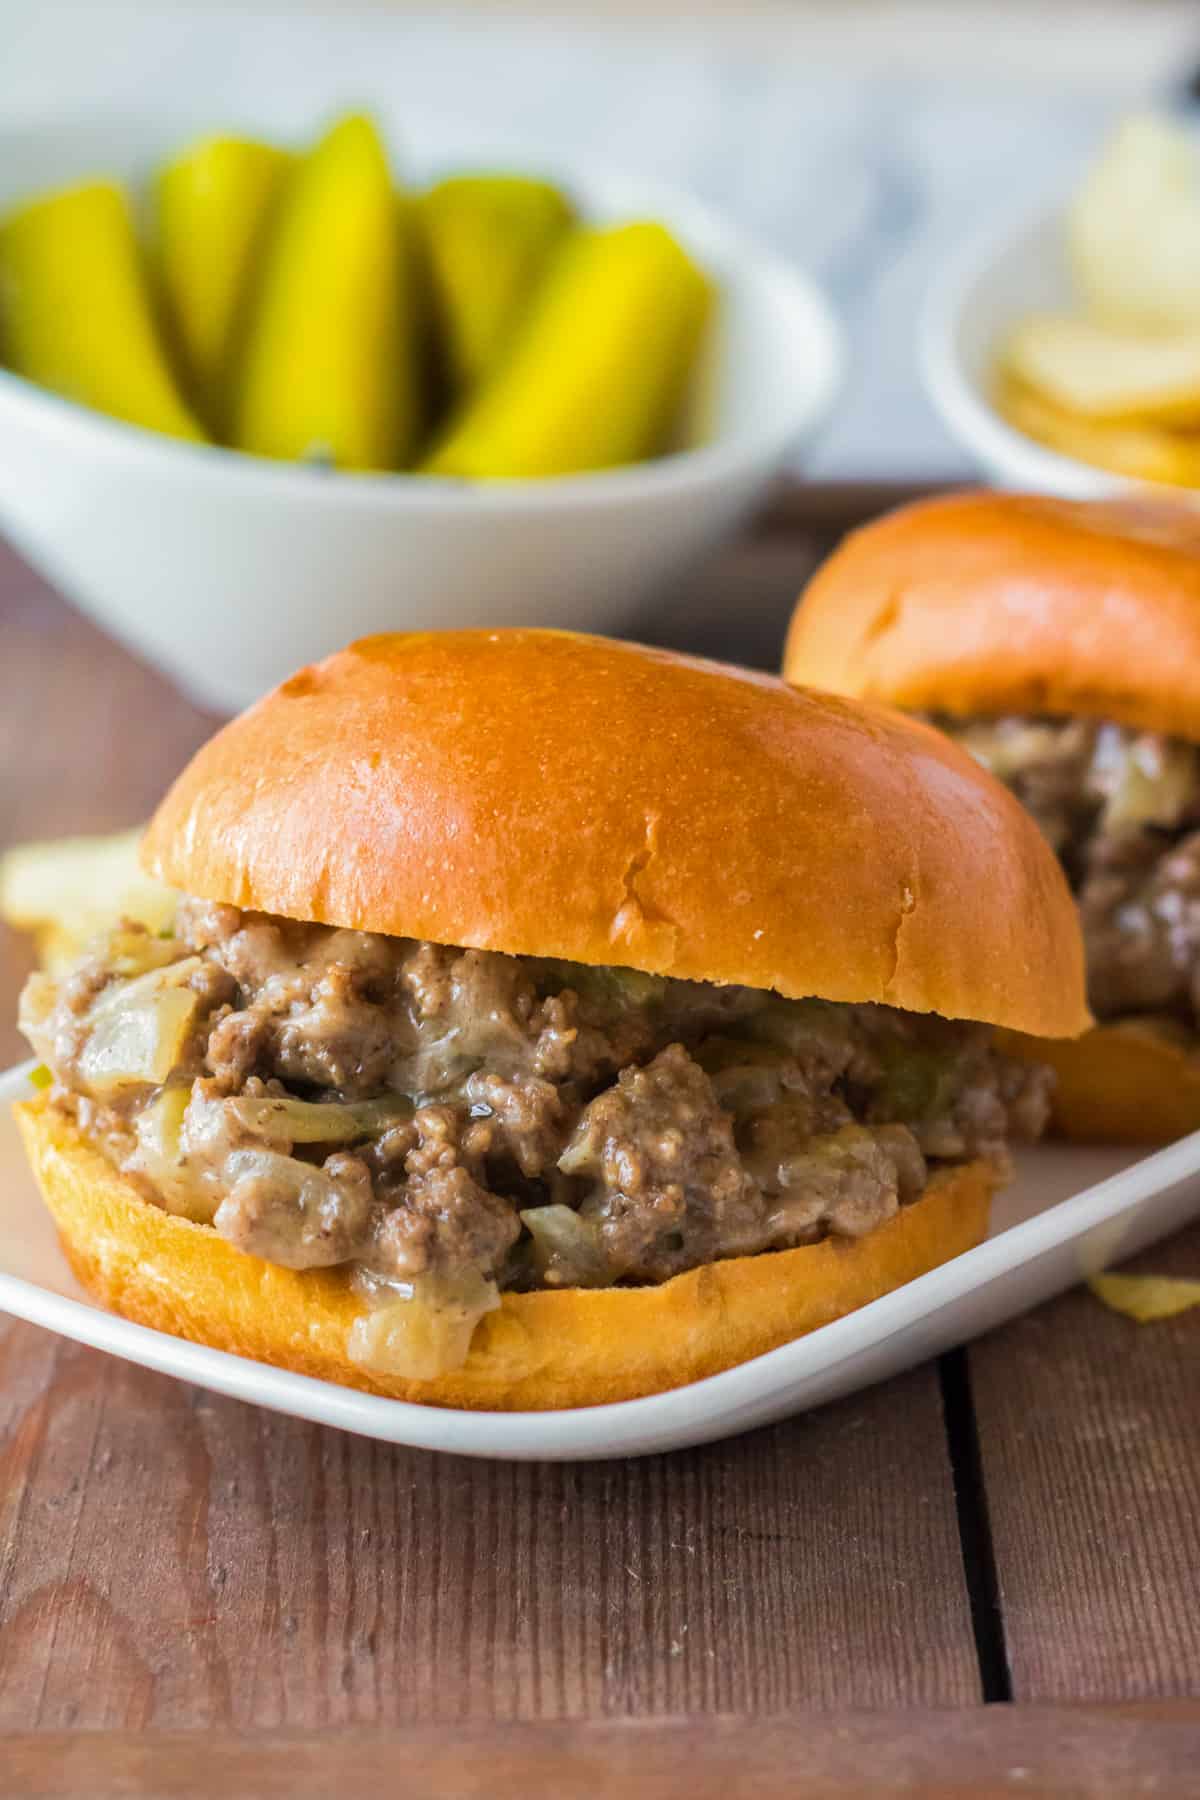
(862, 139)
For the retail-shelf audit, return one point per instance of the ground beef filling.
(1122, 809)
(423, 1113)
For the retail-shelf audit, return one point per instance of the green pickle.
(918, 1084)
(76, 313)
(212, 207)
(598, 371)
(298, 307)
(329, 371)
(487, 240)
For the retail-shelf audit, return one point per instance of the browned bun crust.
(1119, 1084)
(575, 1347)
(549, 794)
(993, 603)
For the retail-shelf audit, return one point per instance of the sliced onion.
(1147, 780)
(208, 1136)
(426, 1332)
(580, 1157)
(160, 1125)
(161, 1156)
(138, 1030)
(567, 1249)
(129, 953)
(280, 1119)
(1006, 747)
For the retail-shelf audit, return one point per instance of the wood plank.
(985, 1753)
(176, 1559)
(1089, 1429)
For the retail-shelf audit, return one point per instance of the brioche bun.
(549, 794)
(575, 1347)
(1010, 603)
(1123, 1083)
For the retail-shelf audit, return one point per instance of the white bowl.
(229, 571)
(999, 278)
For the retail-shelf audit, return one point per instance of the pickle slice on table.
(597, 372)
(76, 313)
(487, 240)
(329, 371)
(212, 205)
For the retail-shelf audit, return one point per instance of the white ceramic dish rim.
(712, 1407)
(957, 397)
(400, 489)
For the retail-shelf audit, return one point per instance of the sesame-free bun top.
(1000, 603)
(549, 794)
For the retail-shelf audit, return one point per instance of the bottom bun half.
(538, 1351)
(1119, 1084)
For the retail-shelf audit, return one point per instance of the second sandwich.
(1058, 642)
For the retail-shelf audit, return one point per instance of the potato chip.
(1133, 232)
(1145, 452)
(1105, 374)
(1146, 1298)
(66, 891)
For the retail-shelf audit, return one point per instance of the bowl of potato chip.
(1063, 351)
(263, 392)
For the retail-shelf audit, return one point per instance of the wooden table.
(983, 1577)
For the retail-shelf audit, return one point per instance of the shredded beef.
(288, 1212)
(340, 1097)
(520, 1120)
(668, 1188)
(1139, 903)
(446, 1220)
(1122, 809)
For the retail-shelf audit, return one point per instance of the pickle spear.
(330, 364)
(75, 309)
(487, 240)
(212, 204)
(597, 372)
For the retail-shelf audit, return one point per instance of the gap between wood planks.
(974, 1527)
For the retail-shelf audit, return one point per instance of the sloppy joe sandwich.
(548, 1021)
(1059, 643)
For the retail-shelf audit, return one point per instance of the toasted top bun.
(549, 794)
(997, 603)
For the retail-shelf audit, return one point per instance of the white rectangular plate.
(1069, 1213)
